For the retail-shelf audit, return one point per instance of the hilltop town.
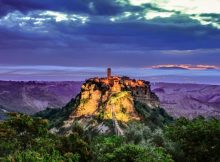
(111, 98)
(139, 89)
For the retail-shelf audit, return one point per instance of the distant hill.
(31, 97)
(187, 100)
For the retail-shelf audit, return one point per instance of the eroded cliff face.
(106, 105)
(103, 97)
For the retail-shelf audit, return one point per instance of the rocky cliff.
(105, 105)
(105, 96)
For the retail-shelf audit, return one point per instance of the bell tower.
(109, 72)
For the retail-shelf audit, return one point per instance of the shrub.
(198, 138)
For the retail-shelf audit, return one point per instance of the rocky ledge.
(107, 105)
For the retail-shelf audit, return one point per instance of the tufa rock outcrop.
(111, 99)
(106, 105)
(99, 94)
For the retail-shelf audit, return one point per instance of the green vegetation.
(199, 139)
(115, 149)
(118, 96)
(123, 109)
(57, 116)
(186, 140)
(27, 139)
(153, 117)
(84, 101)
(24, 138)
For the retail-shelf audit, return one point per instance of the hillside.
(189, 100)
(31, 97)
(106, 105)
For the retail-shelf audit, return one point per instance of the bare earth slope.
(189, 100)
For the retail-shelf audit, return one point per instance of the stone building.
(109, 72)
(139, 89)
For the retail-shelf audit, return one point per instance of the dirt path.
(117, 128)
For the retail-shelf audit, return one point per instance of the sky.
(77, 39)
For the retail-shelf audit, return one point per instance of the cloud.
(185, 66)
(191, 52)
(123, 9)
(193, 9)
(64, 73)
(186, 6)
(108, 33)
(37, 19)
(94, 7)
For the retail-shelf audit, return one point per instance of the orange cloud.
(184, 66)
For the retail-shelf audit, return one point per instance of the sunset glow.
(186, 66)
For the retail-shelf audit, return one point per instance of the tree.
(198, 138)
(20, 132)
(35, 156)
(136, 153)
(76, 143)
(26, 138)
(114, 149)
(103, 145)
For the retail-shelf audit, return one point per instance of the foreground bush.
(27, 139)
(34, 156)
(199, 138)
(24, 138)
(114, 149)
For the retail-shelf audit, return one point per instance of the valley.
(177, 99)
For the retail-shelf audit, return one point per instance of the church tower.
(109, 72)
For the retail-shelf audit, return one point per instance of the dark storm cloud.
(153, 36)
(99, 7)
(30, 35)
(107, 35)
